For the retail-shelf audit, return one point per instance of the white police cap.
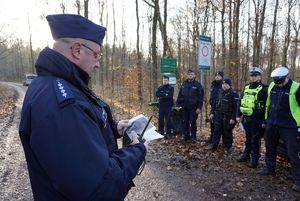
(280, 72)
(255, 70)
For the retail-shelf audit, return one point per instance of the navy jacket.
(279, 111)
(216, 85)
(69, 137)
(190, 95)
(226, 103)
(165, 95)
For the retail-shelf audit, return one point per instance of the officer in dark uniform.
(165, 94)
(251, 110)
(67, 132)
(225, 115)
(190, 98)
(216, 85)
(283, 121)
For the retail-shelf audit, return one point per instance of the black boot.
(253, 164)
(244, 158)
(266, 171)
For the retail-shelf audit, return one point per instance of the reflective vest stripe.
(294, 107)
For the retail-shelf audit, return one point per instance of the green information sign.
(168, 65)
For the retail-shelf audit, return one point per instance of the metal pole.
(202, 83)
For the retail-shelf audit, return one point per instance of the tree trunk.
(78, 6)
(223, 34)
(86, 8)
(287, 33)
(30, 46)
(295, 50)
(259, 24)
(153, 45)
(106, 50)
(113, 52)
(139, 66)
(272, 43)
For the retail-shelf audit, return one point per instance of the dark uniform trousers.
(254, 133)
(190, 117)
(291, 138)
(224, 129)
(164, 114)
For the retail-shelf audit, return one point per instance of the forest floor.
(173, 170)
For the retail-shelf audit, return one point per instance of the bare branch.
(149, 4)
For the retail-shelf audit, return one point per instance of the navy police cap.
(190, 71)
(75, 26)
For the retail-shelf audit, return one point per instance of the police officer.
(67, 132)
(215, 86)
(283, 121)
(224, 113)
(165, 94)
(251, 109)
(190, 98)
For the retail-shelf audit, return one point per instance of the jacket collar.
(50, 62)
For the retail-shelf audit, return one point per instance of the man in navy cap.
(215, 87)
(68, 133)
(165, 96)
(282, 116)
(190, 99)
(224, 113)
(251, 111)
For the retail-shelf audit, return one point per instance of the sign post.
(204, 61)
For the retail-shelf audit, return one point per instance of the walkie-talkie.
(127, 139)
(142, 134)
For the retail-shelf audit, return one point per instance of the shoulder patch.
(62, 91)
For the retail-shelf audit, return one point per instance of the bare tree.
(260, 10)
(295, 46)
(155, 19)
(78, 6)
(139, 66)
(287, 38)
(113, 51)
(30, 45)
(86, 8)
(272, 41)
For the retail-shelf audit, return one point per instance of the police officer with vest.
(251, 109)
(224, 113)
(216, 85)
(67, 132)
(190, 98)
(165, 94)
(283, 121)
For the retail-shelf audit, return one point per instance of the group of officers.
(272, 112)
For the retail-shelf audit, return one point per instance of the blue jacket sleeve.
(73, 153)
(235, 99)
(180, 99)
(160, 93)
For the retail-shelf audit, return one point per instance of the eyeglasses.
(97, 55)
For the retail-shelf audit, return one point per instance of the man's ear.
(76, 50)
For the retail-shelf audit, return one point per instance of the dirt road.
(174, 171)
(13, 170)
